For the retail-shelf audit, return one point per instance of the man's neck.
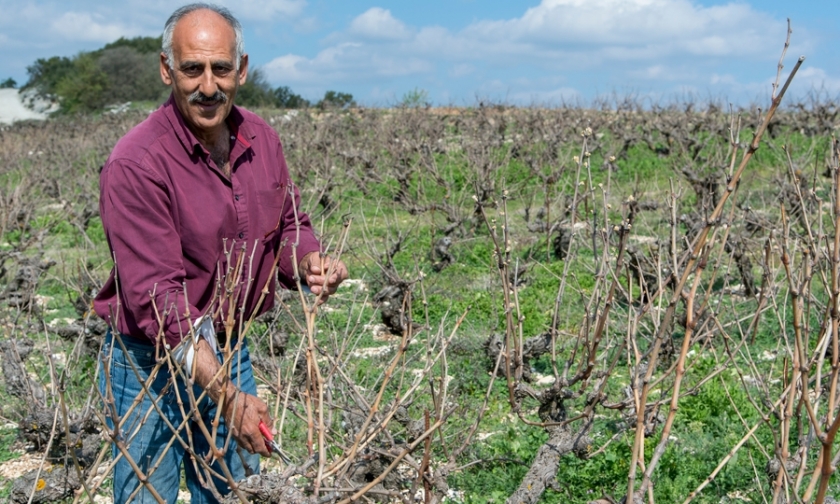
(219, 150)
(211, 140)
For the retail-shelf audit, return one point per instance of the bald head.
(203, 63)
(198, 15)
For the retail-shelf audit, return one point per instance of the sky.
(460, 52)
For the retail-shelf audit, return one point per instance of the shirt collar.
(239, 128)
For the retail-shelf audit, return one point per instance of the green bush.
(415, 98)
(336, 100)
(45, 74)
(256, 92)
(124, 70)
(83, 89)
(142, 45)
(285, 98)
(132, 76)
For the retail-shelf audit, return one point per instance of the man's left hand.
(314, 268)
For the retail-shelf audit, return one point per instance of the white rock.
(12, 107)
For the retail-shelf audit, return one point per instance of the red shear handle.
(265, 432)
(269, 437)
(271, 444)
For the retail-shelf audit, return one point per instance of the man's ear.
(165, 74)
(243, 69)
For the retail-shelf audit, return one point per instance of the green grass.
(707, 425)
(8, 436)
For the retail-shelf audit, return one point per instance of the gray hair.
(169, 29)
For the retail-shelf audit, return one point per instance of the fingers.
(314, 263)
(247, 413)
(317, 267)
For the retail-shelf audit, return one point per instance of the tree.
(83, 89)
(415, 98)
(45, 74)
(256, 92)
(141, 45)
(132, 76)
(334, 99)
(8, 84)
(285, 98)
(124, 70)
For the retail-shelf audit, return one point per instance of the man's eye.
(192, 71)
(221, 71)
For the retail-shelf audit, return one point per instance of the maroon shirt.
(170, 214)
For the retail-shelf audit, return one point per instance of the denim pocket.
(142, 356)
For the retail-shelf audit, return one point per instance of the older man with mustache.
(195, 187)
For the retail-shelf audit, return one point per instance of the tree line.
(127, 71)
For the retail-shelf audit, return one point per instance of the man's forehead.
(204, 17)
(204, 31)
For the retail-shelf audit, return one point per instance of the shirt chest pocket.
(272, 219)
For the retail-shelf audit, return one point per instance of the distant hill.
(122, 71)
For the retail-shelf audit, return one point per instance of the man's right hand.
(243, 413)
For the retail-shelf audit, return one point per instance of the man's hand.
(314, 268)
(242, 412)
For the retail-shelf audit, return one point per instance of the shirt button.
(236, 197)
(241, 235)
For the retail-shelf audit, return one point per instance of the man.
(197, 204)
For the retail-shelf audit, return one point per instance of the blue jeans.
(151, 442)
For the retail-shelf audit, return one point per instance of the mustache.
(218, 97)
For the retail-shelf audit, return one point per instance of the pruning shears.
(271, 444)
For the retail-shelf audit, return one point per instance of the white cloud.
(84, 26)
(265, 10)
(559, 35)
(808, 83)
(245, 11)
(349, 61)
(644, 27)
(378, 23)
(722, 79)
(652, 72)
(814, 80)
(664, 72)
(15, 13)
(289, 68)
(461, 70)
(306, 25)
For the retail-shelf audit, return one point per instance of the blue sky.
(544, 52)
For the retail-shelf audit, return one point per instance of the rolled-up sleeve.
(296, 230)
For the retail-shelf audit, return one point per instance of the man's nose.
(208, 82)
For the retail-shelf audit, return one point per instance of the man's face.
(204, 78)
